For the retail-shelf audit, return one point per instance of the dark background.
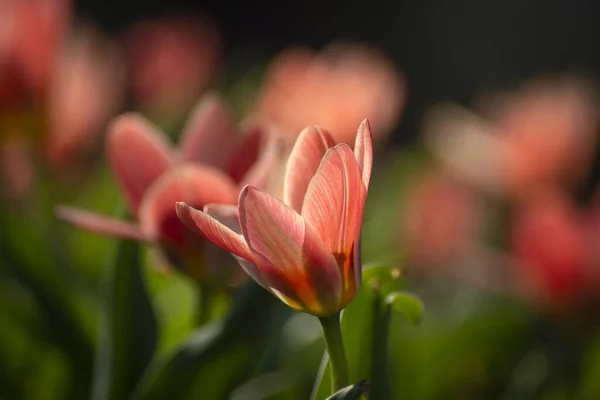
(450, 50)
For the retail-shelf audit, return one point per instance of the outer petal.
(99, 224)
(138, 153)
(205, 225)
(303, 163)
(280, 238)
(210, 134)
(333, 206)
(192, 184)
(363, 149)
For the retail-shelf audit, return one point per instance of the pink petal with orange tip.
(333, 198)
(100, 224)
(278, 236)
(205, 225)
(194, 184)
(363, 150)
(333, 206)
(138, 153)
(303, 163)
(210, 133)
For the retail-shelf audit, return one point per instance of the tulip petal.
(210, 134)
(278, 236)
(193, 184)
(334, 197)
(245, 155)
(363, 149)
(138, 153)
(205, 225)
(303, 163)
(333, 206)
(99, 224)
(260, 174)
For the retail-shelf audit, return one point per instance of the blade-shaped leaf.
(217, 358)
(128, 326)
(407, 304)
(352, 392)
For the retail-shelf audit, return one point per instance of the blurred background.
(484, 193)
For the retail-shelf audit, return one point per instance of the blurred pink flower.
(335, 88)
(16, 167)
(538, 137)
(305, 251)
(38, 28)
(153, 177)
(57, 86)
(171, 60)
(550, 239)
(85, 90)
(442, 218)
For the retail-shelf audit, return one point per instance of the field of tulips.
(183, 221)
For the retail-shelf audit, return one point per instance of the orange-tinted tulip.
(153, 176)
(306, 250)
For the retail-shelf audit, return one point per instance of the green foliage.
(128, 326)
(352, 392)
(218, 357)
(407, 304)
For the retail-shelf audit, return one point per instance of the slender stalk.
(335, 347)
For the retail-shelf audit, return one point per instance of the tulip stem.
(335, 348)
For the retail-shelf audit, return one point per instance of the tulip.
(550, 239)
(331, 89)
(88, 64)
(305, 250)
(153, 177)
(171, 60)
(540, 136)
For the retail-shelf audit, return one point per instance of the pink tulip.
(87, 64)
(442, 219)
(38, 28)
(305, 250)
(172, 60)
(541, 136)
(153, 176)
(331, 89)
(550, 239)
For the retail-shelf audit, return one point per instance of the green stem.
(335, 348)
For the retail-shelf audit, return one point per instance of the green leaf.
(128, 327)
(407, 304)
(59, 322)
(352, 392)
(218, 357)
(379, 274)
